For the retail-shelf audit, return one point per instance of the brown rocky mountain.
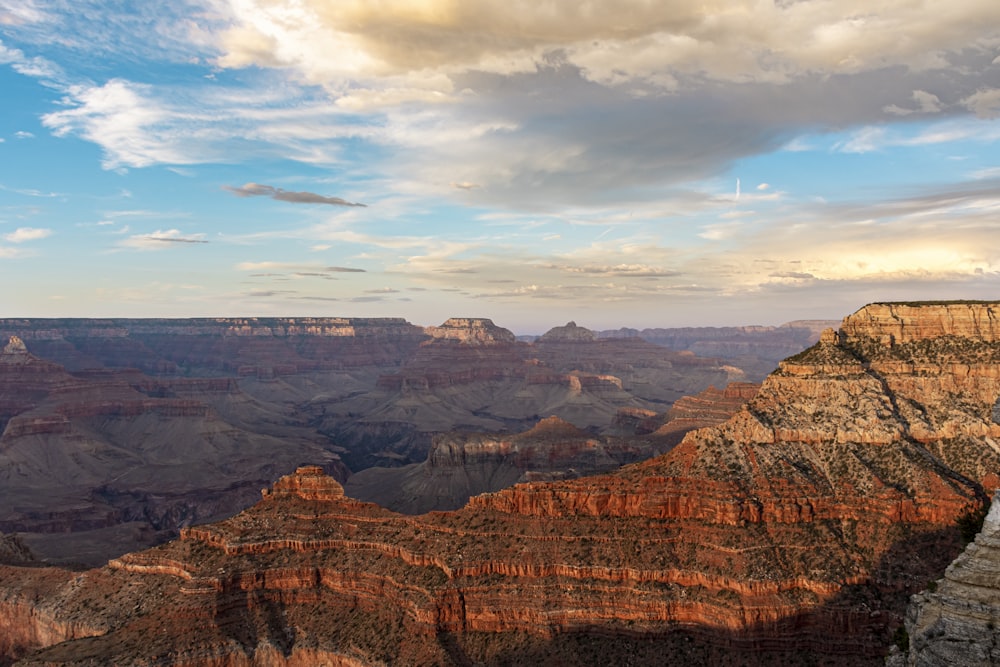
(956, 621)
(793, 533)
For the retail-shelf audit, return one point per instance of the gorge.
(793, 532)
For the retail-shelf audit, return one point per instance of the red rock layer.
(796, 530)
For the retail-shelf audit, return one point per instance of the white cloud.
(23, 234)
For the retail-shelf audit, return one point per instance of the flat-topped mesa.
(895, 323)
(351, 327)
(571, 333)
(472, 331)
(308, 483)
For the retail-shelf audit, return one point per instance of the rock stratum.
(793, 533)
(114, 433)
(956, 622)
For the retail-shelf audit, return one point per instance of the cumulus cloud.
(23, 234)
(259, 190)
(651, 43)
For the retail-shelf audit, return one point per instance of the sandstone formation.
(471, 331)
(957, 622)
(707, 408)
(793, 533)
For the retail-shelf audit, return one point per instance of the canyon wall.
(794, 532)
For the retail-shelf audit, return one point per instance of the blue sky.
(614, 163)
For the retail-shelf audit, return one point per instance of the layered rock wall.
(957, 622)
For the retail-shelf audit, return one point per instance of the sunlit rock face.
(794, 532)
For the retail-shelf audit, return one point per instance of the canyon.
(793, 532)
(116, 433)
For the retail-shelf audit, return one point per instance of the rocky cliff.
(956, 621)
(795, 532)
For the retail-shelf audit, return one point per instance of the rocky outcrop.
(956, 621)
(708, 408)
(14, 551)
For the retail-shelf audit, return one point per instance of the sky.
(611, 162)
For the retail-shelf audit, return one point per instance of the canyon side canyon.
(793, 532)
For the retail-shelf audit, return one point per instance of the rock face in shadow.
(794, 532)
(958, 622)
(461, 465)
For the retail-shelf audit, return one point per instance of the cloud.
(11, 253)
(619, 271)
(926, 103)
(161, 239)
(648, 44)
(291, 266)
(23, 234)
(258, 190)
(985, 102)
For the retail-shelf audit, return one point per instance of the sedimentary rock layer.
(794, 531)
(956, 622)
